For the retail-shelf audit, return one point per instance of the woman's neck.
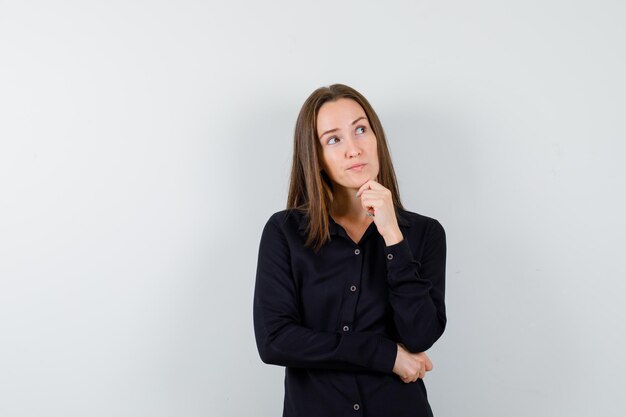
(347, 206)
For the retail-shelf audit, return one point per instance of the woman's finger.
(371, 202)
(429, 364)
(373, 194)
(370, 185)
(370, 206)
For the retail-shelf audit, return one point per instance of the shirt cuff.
(398, 256)
(386, 359)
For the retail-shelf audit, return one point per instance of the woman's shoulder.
(288, 218)
(296, 220)
(418, 220)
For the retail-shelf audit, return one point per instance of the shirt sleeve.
(417, 289)
(281, 338)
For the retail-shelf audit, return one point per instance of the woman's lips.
(358, 167)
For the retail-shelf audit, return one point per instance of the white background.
(144, 144)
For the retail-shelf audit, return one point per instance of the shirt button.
(390, 256)
(356, 407)
(346, 328)
(353, 288)
(357, 251)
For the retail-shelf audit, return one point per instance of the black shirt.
(333, 318)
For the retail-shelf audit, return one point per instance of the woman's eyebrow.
(328, 131)
(360, 118)
(335, 129)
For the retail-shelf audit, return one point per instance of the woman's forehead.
(339, 113)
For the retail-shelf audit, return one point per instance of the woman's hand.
(378, 202)
(410, 366)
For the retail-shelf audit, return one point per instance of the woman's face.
(347, 139)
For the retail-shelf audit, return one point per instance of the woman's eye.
(360, 130)
(331, 139)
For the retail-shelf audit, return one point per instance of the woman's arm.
(282, 339)
(416, 290)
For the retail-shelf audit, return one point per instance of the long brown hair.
(310, 188)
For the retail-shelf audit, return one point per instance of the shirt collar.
(403, 221)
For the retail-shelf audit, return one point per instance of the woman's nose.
(352, 148)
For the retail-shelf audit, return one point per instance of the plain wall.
(143, 146)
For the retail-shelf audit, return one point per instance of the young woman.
(350, 286)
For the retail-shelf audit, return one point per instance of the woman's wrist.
(393, 237)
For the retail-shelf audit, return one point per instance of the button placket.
(353, 280)
(353, 287)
